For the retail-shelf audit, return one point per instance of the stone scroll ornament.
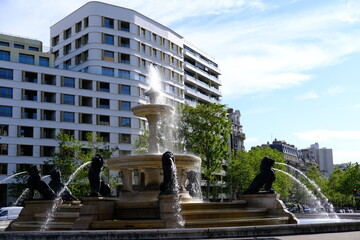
(168, 186)
(34, 182)
(265, 178)
(57, 186)
(98, 186)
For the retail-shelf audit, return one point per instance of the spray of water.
(154, 77)
(24, 193)
(12, 176)
(57, 200)
(176, 206)
(317, 188)
(312, 196)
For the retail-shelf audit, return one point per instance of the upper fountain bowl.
(152, 109)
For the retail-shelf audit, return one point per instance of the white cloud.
(357, 106)
(309, 95)
(334, 90)
(323, 135)
(346, 156)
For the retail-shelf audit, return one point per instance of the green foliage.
(72, 154)
(244, 166)
(206, 131)
(141, 144)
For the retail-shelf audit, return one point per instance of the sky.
(291, 67)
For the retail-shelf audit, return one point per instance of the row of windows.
(50, 115)
(49, 133)
(125, 26)
(20, 46)
(68, 32)
(25, 58)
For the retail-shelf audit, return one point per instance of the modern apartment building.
(96, 71)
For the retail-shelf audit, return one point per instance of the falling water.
(176, 206)
(12, 176)
(316, 200)
(57, 200)
(317, 188)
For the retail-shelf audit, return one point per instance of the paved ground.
(322, 236)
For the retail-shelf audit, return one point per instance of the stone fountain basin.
(153, 161)
(152, 109)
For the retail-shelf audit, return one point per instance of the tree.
(206, 130)
(141, 143)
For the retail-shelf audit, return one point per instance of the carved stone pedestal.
(270, 201)
(95, 209)
(169, 207)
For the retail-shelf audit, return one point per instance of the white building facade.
(96, 72)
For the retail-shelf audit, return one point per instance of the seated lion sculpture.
(57, 186)
(265, 178)
(34, 182)
(98, 186)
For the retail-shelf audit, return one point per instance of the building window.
(142, 63)
(154, 37)
(68, 132)
(142, 48)
(56, 54)
(29, 95)
(108, 22)
(20, 46)
(86, 22)
(49, 97)
(154, 53)
(125, 106)
(67, 49)
(103, 87)
(78, 27)
(85, 118)
(108, 55)
(29, 113)
(33, 48)
(86, 101)
(5, 111)
(108, 39)
(6, 73)
(125, 122)
(83, 135)
(26, 58)
(104, 135)
(107, 71)
(103, 120)
(25, 150)
(4, 130)
(4, 55)
(143, 32)
(6, 44)
(68, 117)
(125, 89)
(67, 33)
(124, 26)
(49, 79)
(55, 40)
(86, 84)
(124, 74)
(47, 151)
(68, 99)
(49, 115)
(30, 77)
(3, 166)
(125, 138)
(48, 133)
(103, 103)
(67, 64)
(44, 61)
(3, 149)
(142, 78)
(25, 131)
(124, 58)
(6, 92)
(124, 42)
(68, 82)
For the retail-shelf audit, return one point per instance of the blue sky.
(291, 67)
